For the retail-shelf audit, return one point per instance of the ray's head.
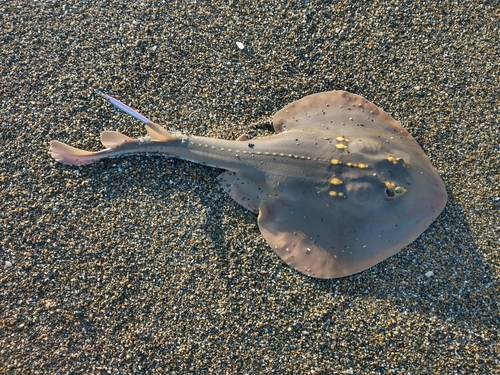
(379, 174)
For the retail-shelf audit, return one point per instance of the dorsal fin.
(159, 133)
(111, 139)
(243, 137)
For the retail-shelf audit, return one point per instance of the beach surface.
(144, 265)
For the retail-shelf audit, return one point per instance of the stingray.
(340, 187)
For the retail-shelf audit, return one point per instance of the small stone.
(429, 274)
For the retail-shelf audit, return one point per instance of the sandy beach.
(144, 265)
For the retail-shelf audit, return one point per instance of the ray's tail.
(115, 143)
(66, 154)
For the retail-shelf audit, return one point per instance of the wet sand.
(144, 265)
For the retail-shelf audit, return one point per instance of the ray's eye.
(391, 192)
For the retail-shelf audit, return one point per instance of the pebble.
(115, 269)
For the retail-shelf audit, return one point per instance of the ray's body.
(339, 188)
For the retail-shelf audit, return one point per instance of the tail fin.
(70, 155)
